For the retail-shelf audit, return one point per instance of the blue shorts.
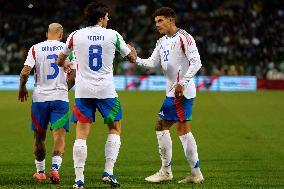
(55, 112)
(85, 108)
(174, 109)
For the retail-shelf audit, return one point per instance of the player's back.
(50, 80)
(94, 48)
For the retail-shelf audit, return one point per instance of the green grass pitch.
(239, 136)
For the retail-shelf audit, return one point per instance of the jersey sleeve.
(121, 46)
(69, 43)
(153, 61)
(188, 46)
(31, 58)
(72, 59)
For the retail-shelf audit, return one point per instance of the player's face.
(105, 20)
(163, 24)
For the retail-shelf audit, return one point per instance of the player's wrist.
(184, 82)
(139, 61)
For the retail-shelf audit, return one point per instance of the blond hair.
(55, 28)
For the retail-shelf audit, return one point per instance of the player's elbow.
(199, 65)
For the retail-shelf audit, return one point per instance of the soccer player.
(178, 56)
(94, 48)
(50, 100)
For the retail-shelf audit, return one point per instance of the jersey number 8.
(95, 55)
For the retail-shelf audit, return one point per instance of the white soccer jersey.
(50, 80)
(94, 48)
(179, 58)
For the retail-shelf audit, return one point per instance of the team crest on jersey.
(173, 45)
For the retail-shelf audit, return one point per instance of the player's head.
(55, 32)
(96, 14)
(164, 19)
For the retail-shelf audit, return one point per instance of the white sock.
(165, 149)
(190, 151)
(56, 163)
(111, 152)
(79, 157)
(40, 166)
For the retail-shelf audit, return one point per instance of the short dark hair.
(94, 11)
(165, 11)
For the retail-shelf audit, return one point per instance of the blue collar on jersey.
(174, 34)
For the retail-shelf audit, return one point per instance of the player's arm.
(191, 52)
(125, 50)
(71, 79)
(132, 56)
(193, 57)
(66, 51)
(24, 76)
(61, 60)
(151, 62)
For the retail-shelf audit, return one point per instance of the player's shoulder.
(112, 32)
(184, 33)
(186, 36)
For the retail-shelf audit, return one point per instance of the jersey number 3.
(53, 65)
(95, 55)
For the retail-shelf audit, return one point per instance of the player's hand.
(133, 55)
(23, 94)
(179, 91)
(67, 69)
(67, 66)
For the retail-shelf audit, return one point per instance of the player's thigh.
(110, 109)
(84, 111)
(59, 115)
(40, 115)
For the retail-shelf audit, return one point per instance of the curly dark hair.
(94, 11)
(165, 11)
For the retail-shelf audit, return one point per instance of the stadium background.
(243, 37)
(239, 134)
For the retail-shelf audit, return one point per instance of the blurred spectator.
(233, 37)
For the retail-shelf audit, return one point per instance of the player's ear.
(61, 36)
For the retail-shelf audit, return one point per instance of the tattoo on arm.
(24, 75)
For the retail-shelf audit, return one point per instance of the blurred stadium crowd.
(244, 37)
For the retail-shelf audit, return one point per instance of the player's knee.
(159, 125)
(115, 127)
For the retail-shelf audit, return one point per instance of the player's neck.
(53, 38)
(172, 30)
(99, 24)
